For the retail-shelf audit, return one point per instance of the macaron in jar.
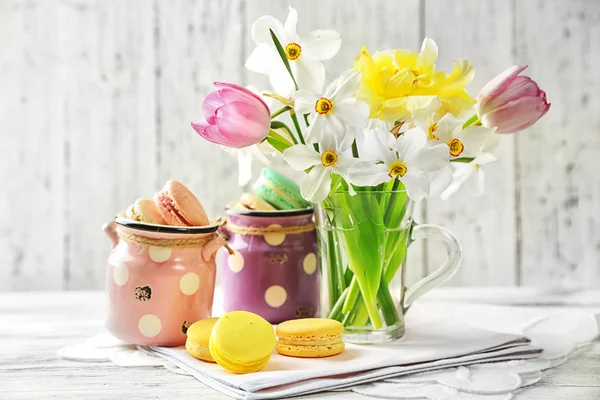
(161, 271)
(273, 270)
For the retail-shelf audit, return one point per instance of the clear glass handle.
(443, 273)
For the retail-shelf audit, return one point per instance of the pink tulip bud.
(234, 117)
(511, 102)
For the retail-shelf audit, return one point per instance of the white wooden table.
(33, 326)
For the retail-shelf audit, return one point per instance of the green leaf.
(284, 58)
(463, 159)
(281, 125)
(278, 141)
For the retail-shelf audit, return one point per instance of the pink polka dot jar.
(160, 280)
(273, 271)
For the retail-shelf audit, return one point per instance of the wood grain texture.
(108, 59)
(485, 226)
(198, 43)
(559, 188)
(32, 169)
(36, 325)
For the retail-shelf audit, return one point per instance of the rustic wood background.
(96, 98)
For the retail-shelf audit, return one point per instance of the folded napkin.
(434, 344)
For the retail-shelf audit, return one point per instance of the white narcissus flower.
(406, 158)
(471, 175)
(335, 109)
(245, 156)
(331, 158)
(304, 54)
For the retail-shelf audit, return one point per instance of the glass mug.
(363, 240)
(159, 279)
(273, 271)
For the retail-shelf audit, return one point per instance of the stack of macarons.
(242, 342)
(272, 191)
(173, 205)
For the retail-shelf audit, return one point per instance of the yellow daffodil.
(396, 83)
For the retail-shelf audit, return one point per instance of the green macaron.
(278, 190)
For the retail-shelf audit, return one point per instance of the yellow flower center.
(397, 169)
(456, 147)
(433, 128)
(329, 158)
(323, 106)
(292, 51)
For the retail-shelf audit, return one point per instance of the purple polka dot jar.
(274, 270)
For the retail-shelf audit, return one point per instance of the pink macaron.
(179, 207)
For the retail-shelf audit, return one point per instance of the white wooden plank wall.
(96, 99)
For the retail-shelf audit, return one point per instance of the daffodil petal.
(440, 180)
(410, 143)
(309, 74)
(301, 157)
(281, 81)
(428, 54)
(354, 113)
(446, 127)
(432, 158)
(346, 85)
(315, 185)
(367, 173)
(304, 102)
(261, 59)
(290, 26)
(314, 132)
(321, 44)
(261, 34)
(416, 184)
(474, 138)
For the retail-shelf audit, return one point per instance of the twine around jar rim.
(263, 230)
(154, 242)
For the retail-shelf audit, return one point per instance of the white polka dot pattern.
(274, 239)
(159, 254)
(310, 263)
(275, 296)
(120, 274)
(189, 283)
(235, 261)
(149, 325)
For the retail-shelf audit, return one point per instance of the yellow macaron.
(242, 342)
(310, 338)
(198, 335)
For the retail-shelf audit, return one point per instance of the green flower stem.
(390, 205)
(297, 126)
(352, 295)
(336, 310)
(474, 120)
(360, 315)
(386, 302)
(280, 111)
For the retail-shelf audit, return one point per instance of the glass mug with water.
(363, 240)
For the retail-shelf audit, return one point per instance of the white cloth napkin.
(435, 344)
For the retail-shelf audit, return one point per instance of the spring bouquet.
(389, 131)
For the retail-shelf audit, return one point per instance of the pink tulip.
(511, 102)
(234, 117)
